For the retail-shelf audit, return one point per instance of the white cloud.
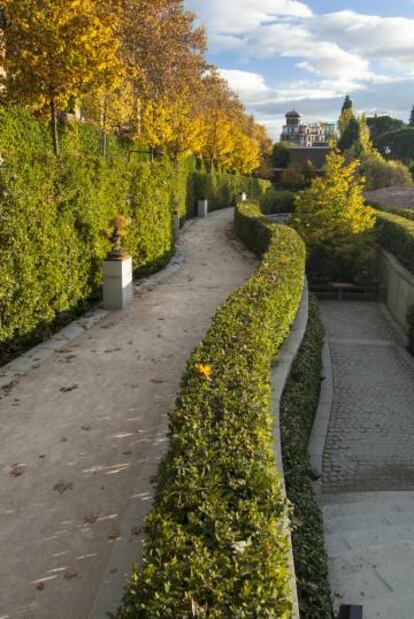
(249, 85)
(230, 16)
(335, 45)
(389, 40)
(323, 58)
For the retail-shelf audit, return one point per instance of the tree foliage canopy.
(333, 219)
(137, 67)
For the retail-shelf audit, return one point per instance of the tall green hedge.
(396, 235)
(215, 541)
(53, 213)
(277, 201)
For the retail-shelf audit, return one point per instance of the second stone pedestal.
(117, 287)
(202, 208)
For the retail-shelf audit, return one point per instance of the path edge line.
(317, 441)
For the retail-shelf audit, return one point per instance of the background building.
(301, 133)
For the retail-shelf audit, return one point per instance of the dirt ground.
(82, 435)
(393, 197)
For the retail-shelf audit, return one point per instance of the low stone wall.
(399, 287)
(280, 375)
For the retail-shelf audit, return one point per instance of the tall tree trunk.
(55, 133)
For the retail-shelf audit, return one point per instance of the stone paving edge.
(316, 446)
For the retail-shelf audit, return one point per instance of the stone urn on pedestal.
(117, 269)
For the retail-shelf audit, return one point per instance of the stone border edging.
(399, 288)
(316, 446)
(34, 357)
(279, 377)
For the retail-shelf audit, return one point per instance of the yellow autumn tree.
(245, 156)
(55, 49)
(173, 125)
(334, 221)
(217, 105)
(110, 106)
(163, 50)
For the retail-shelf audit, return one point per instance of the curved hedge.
(396, 235)
(215, 539)
(408, 213)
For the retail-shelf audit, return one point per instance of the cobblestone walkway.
(367, 495)
(370, 442)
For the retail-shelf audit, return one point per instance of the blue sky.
(279, 54)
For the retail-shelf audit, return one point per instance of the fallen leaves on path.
(16, 470)
(67, 389)
(90, 518)
(62, 487)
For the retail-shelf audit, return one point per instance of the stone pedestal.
(202, 208)
(117, 287)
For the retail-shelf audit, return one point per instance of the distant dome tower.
(293, 119)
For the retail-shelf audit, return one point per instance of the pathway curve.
(82, 435)
(368, 467)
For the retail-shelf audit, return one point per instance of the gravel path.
(82, 435)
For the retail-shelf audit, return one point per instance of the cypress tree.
(411, 121)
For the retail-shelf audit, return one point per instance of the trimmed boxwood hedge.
(277, 201)
(408, 213)
(396, 235)
(297, 411)
(215, 540)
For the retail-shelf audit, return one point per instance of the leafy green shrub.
(381, 173)
(277, 201)
(215, 540)
(297, 411)
(396, 235)
(292, 178)
(408, 213)
(335, 223)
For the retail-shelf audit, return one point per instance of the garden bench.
(342, 290)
